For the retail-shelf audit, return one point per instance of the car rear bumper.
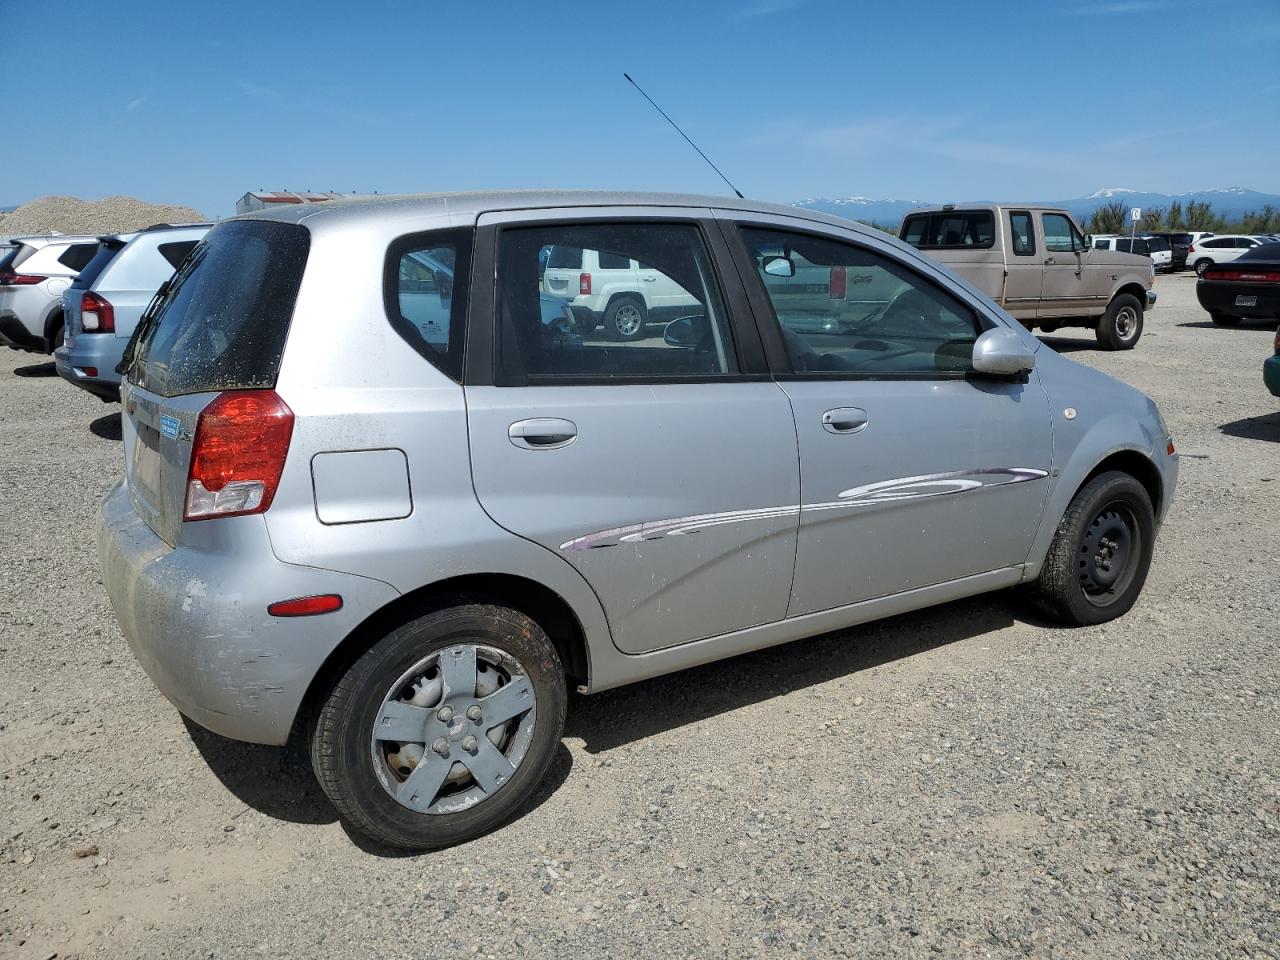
(89, 361)
(1271, 374)
(1221, 296)
(196, 618)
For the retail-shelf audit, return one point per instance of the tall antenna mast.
(686, 137)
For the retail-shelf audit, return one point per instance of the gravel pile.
(965, 783)
(112, 215)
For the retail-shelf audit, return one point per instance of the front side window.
(668, 323)
(845, 309)
(1024, 239)
(1061, 235)
(425, 294)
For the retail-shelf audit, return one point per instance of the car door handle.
(542, 433)
(649, 279)
(1050, 260)
(844, 420)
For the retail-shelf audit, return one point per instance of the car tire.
(1201, 266)
(625, 318)
(1100, 554)
(1224, 320)
(369, 778)
(59, 336)
(1121, 326)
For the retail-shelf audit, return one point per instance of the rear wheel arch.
(541, 604)
(52, 323)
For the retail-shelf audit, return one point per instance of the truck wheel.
(625, 319)
(1201, 266)
(443, 729)
(1121, 326)
(1100, 554)
(1222, 320)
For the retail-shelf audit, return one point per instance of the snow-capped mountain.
(1231, 202)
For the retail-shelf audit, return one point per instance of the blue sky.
(196, 103)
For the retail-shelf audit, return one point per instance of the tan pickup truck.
(1038, 264)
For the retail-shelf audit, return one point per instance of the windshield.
(222, 322)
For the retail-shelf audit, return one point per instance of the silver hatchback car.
(374, 488)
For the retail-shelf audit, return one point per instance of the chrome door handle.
(542, 433)
(844, 420)
(649, 279)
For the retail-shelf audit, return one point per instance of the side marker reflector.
(306, 606)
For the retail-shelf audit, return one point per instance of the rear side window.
(177, 251)
(77, 256)
(1022, 234)
(950, 229)
(425, 292)
(565, 258)
(223, 321)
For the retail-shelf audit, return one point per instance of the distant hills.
(1230, 202)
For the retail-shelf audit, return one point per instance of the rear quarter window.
(93, 269)
(425, 294)
(223, 321)
(177, 251)
(77, 256)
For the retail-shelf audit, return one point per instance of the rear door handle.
(844, 420)
(542, 433)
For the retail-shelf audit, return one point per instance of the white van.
(1157, 248)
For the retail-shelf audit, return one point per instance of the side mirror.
(1088, 241)
(1003, 353)
(779, 266)
(686, 332)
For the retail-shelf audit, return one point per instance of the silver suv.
(411, 539)
(34, 274)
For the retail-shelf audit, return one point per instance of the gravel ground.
(962, 782)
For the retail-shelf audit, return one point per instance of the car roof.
(472, 204)
(993, 207)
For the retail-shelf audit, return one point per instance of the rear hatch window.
(950, 229)
(223, 321)
(107, 251)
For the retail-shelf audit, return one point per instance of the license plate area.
(1246, 301)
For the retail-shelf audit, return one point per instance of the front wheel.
(1100, 554)
(443, 729)
(1121, 326)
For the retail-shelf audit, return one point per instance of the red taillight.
(1247, 276)
(584, 284)
(836, 285)
(96, 314)
(1191, 249)
(241, 441)
(10, 279)
(306, 606)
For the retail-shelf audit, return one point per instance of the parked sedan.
(334, 519)
(1247, 288)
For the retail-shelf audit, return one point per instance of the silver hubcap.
(453, 729)
(1126, 322)
(627, 319)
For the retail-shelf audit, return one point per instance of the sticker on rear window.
(169, 426)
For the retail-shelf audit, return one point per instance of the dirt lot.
(963, 782)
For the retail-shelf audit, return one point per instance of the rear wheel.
(1201, 266)
(1121, 326)
(625, 319)
(1223, 320)
(59, 335)
(443, 729)
(1098, 561)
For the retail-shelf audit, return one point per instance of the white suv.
(1157, 248)
(611, 289)
(33, 277)
(1219, 248)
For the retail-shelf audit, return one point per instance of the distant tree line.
(1114, 218)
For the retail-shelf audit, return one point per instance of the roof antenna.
(686, 136)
